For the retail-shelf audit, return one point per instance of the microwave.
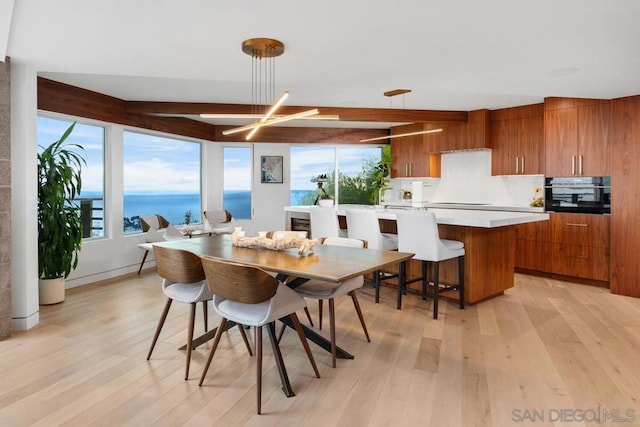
(578, 194)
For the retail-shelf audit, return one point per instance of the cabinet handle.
(406, 169)
(522, 161)
(410, 173)
(580, 165)
(574, 224)
(573, 165)
(517, 166)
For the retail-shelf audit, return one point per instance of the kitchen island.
(488, 237)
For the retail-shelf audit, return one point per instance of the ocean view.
(173, 206)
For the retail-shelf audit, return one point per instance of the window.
(352, 164)
(238, 168)
(161, 176)
(91, 138)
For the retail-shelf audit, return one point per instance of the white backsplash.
(466, 178)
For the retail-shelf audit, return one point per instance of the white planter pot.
(51, 291)
(325, 202)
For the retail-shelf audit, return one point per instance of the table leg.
(318, 339)
(207, 336)
(282, 370)
(402, 283)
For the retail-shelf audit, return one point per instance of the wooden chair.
(183, 281)
(252, 297)
(320, 290)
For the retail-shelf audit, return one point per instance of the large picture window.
(238, 166)
(351, 164)
(91, 138)
(161, 176)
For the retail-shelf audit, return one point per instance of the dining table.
(325, 262)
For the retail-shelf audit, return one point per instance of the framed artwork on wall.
(271, 169)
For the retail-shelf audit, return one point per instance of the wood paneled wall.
(625, 203)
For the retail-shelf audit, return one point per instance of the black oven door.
(579, 195)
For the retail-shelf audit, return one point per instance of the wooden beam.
(347, 114)
(304, 135)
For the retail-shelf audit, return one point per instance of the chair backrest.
(363, 224)
(237, 282)
(344, 241)
(418, 233)
(282, 234)
(216, 219)
(153, 222)
(177, 265)
(324, 222)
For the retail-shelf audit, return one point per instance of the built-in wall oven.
(578, 194)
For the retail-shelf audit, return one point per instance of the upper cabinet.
(517, 140)
(414, 156)
(576, 137)
(474, 134)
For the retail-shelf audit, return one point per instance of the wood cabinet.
(531, 239)
(474, 134)
(577, 137)
(625, 181)
(578, 245)
(517, 140)
(414, 156)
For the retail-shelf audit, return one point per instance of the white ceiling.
(453, 54)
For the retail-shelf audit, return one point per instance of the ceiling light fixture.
(263, 85)
(390, 94)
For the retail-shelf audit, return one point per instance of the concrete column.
(24, 200)
(5, 200)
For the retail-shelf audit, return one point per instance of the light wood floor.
(543, 346)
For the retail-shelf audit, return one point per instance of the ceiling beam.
(347, 114)
(304, 135)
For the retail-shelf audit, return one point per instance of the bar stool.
(418, 233)
(363, 224)
(324, 222)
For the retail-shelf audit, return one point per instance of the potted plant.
(378, 175)
(59, 217)
(325, 199)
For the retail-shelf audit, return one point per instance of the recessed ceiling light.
(563, 72)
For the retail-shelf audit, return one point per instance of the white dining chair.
(183, 280)
(218, 222)
(156, 229)
(250, 296)
(320, 290)
(324, 222)
(418, 233)
(363, 224)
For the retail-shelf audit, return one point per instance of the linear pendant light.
(421, 132)
(259, 48)
(299, 115)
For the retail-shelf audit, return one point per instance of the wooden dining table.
(326, 262)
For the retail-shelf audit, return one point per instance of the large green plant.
(59, 219)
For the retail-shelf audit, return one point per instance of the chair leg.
(320, 310)
(436, 288)
(332, 329)
(216, 340)
(159, 327)
(259, 368)
(356, 304)
(305, 344)
(205, 313)
(244, 338)
(144, 258)
(306, 310)
(376, 285)
(461, 280)
(424, 279)
(192, 321)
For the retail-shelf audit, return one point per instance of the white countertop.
(462, 217)
(405, 204)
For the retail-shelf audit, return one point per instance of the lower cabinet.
(575, 245)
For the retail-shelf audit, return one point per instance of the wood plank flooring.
(545, 353)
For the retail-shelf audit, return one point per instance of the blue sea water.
(173, 206)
